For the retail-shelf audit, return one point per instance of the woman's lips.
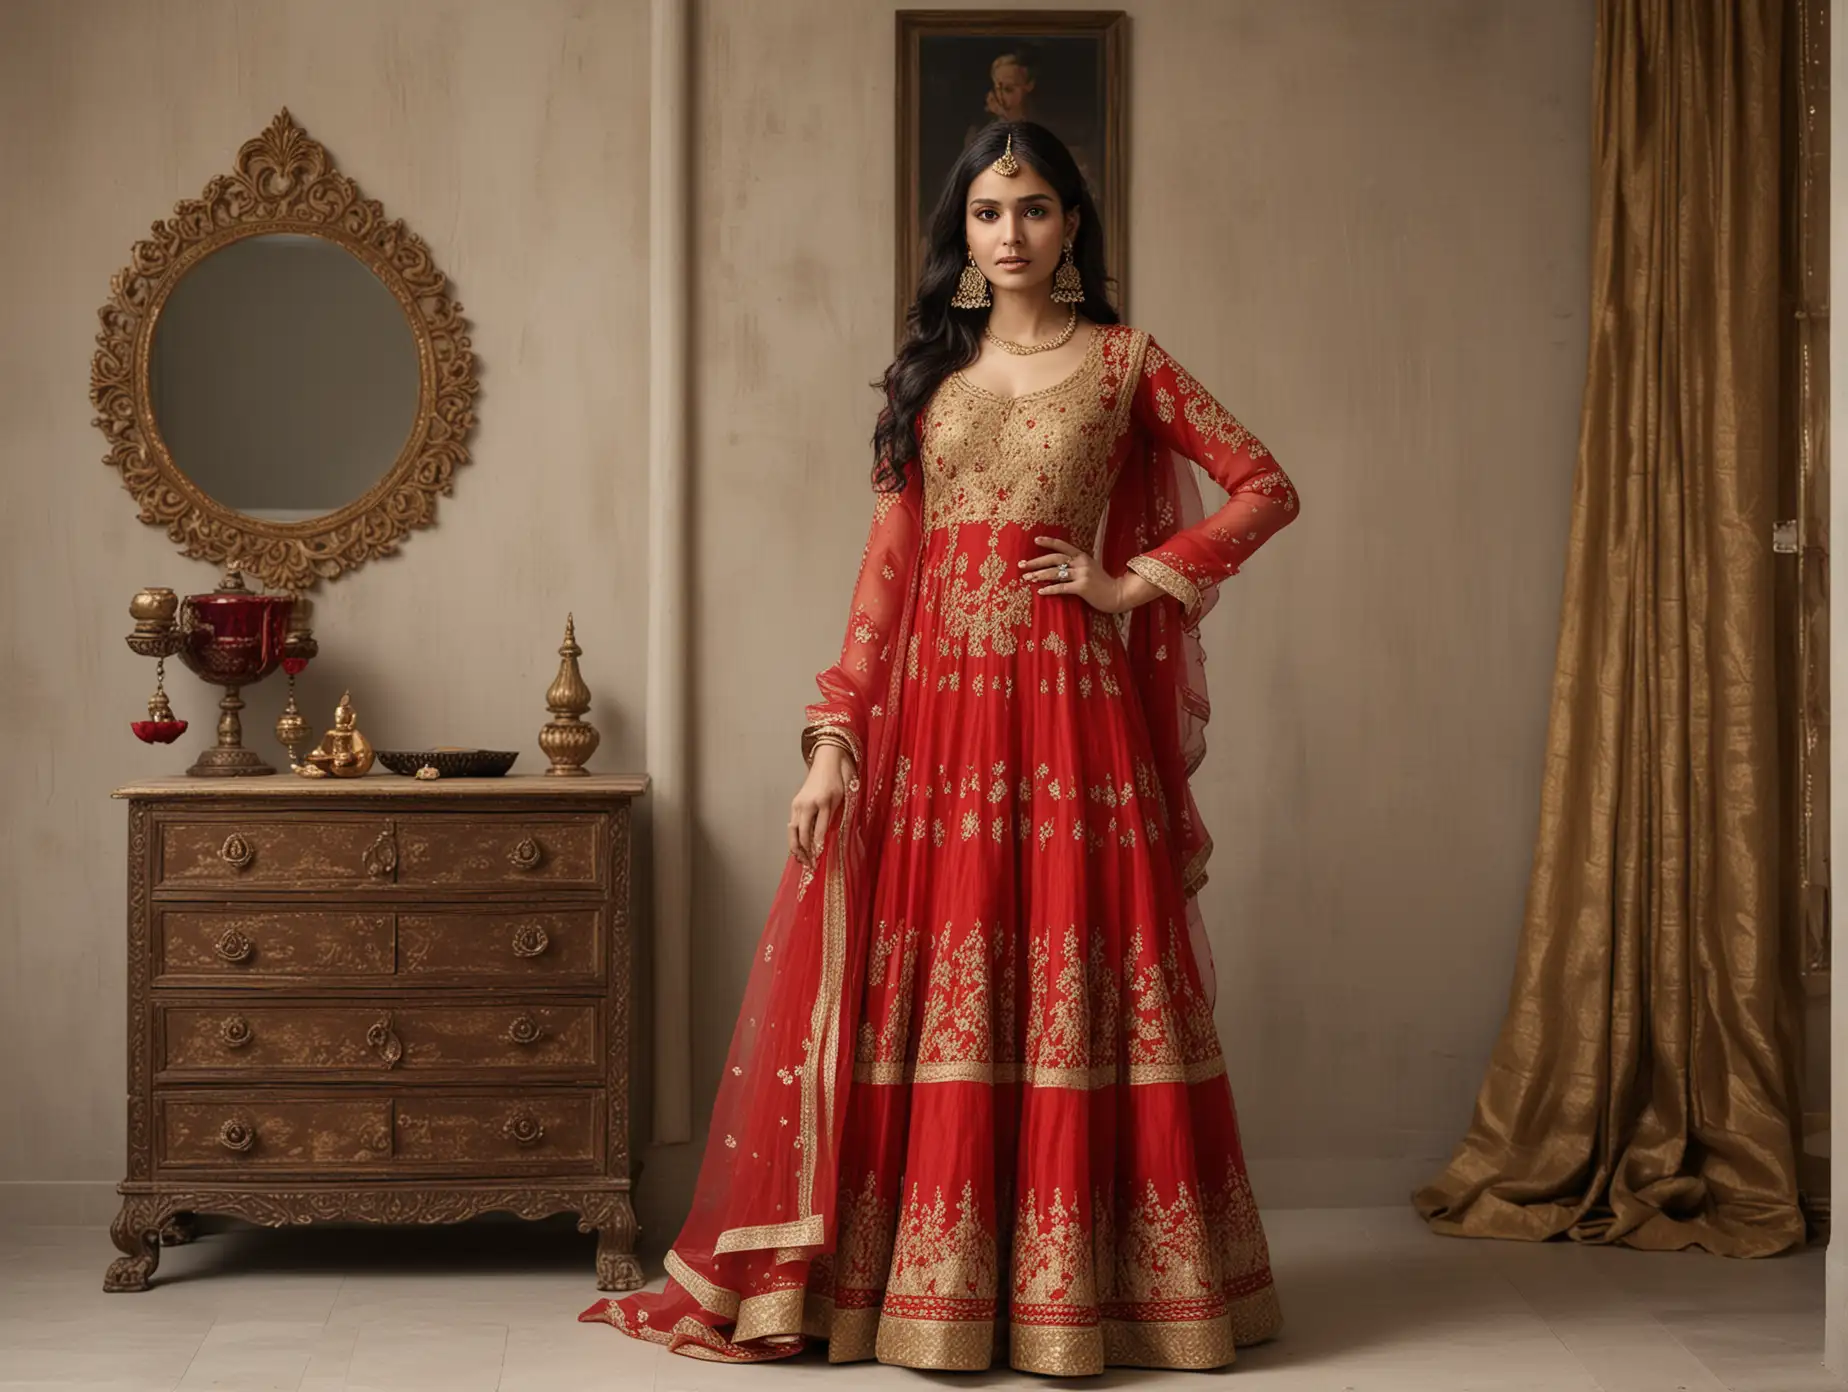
(1012, 263)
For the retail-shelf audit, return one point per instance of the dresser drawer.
(235, 1133)
(282, 944)
(552, 1130)
(538, 946)
(200, 946)
(239, 1039)
(438, 852)
(330, 852)
(422, 1131)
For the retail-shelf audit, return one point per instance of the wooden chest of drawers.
(381, 1000)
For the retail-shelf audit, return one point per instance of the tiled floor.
(1372, 1303)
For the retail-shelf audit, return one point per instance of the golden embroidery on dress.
(943, 1260)
(1040, 460)
(1162, 1253)
(1053, 1262)
(879, 1055)
(867, 1228)
(1104, 996)
(988, 616)
(954, 1043)
(1058, 1034)
(1006, 1055)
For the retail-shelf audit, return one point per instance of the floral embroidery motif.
(864, 1256)
(1054, 1265)
(955, 1029)
(1058, 1034)
(1169, 1030)
(940, 1262)
(988, 615)
(1237, 1234)
(879, 1054)
(1162, 1254)
(1103, 1001)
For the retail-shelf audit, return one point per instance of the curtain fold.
(1643, 1087)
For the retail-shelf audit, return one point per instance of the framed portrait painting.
(958, 70)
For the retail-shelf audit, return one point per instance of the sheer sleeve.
(854, 690)
(1179, 414)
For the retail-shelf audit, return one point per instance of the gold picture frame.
(1079, 65)
(283, 181)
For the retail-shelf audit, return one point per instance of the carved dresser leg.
(136, 1233)
(617, 1268)
(179, 1230)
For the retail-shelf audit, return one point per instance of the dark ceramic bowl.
(450, 763)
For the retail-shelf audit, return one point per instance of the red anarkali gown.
(975, 1108)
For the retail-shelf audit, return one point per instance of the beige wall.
(514, 139)
(1362, 224)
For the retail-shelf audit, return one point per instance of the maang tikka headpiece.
(1007, 166)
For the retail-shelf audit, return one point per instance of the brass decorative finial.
(567, 739)
(1007, 166)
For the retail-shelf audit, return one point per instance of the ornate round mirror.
(283, 379)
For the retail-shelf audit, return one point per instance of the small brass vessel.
(343, 751)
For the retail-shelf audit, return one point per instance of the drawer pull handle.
(530, 940)
(524, 1129)
(525, 1030)
(526, 855)
(383, 1038)
(382, 856)
(237, 1134)
(236, 1032)
(236, 852)
(234, 946)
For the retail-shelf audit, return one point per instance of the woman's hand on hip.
(1067, 569)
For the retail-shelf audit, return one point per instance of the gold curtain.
(1643, 1088)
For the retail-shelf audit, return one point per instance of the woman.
(975, 1100)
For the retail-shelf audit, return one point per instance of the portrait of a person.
(966, 82)
(1010, 96)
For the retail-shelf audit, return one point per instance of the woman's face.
(1015, 228)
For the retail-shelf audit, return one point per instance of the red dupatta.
(1156, 496)
(764, 1207)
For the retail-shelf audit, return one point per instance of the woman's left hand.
(1066, 569)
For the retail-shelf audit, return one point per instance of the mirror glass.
(284, 377)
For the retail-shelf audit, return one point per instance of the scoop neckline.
(1090, 351)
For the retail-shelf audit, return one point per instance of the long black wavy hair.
(938, 339)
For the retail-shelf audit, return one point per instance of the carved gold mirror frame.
(284, 181)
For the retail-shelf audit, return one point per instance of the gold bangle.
(838, 741)
(817, 735)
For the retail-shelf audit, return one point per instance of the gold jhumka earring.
(972, 289)
(1067, 284)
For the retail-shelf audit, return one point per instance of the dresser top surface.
(387, 786)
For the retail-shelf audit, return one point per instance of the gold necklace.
(1022, 349)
